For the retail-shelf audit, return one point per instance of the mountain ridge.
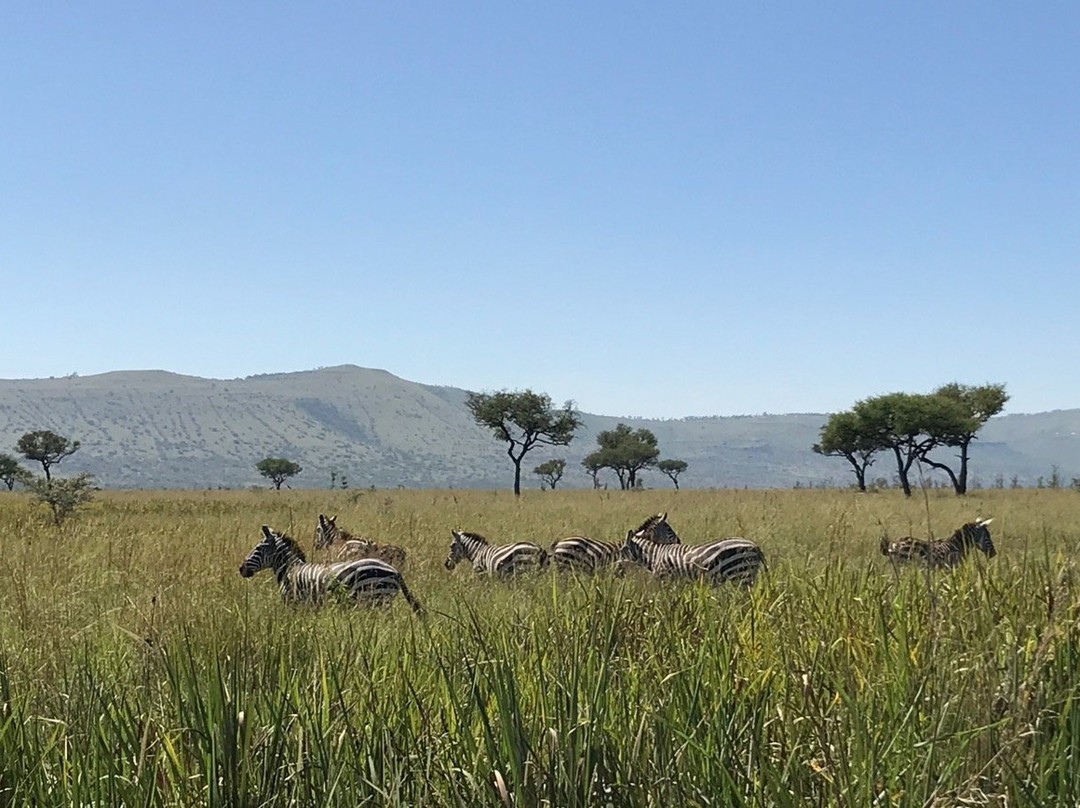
(160, 429)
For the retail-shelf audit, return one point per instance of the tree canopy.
(46, 448)
(911, 426)
(277, 470)
(626, 452)
(523, 420)
(672, 468)
(11, 472)
(550, 472)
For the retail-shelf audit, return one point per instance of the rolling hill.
(154, 429)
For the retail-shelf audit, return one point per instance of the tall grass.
(138, 668)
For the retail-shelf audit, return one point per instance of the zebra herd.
(366, 571)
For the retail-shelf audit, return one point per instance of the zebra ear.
(267, 531)
(984, 521)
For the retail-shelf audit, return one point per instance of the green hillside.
(157, 429)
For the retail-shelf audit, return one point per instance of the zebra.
(942, 553)
(588, 555)
(327, 532)
(497, 559)
(369, 579)
(731, 559)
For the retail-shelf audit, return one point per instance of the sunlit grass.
(138, 668)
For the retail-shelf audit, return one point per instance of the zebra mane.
(284, 540)
(465, 534)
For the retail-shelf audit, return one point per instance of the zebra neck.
(284, 563)
(956, 544)
(473, 546)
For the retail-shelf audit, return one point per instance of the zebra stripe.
(732, 559)
(327, 532)
(944, 553)
(496, 559)
(588, 555)
(364, 580)
(583, 554)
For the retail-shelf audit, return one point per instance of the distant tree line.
(909, 426)
(524, 420)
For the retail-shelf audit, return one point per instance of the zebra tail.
(416, 607)
(885, 546)
(544, 558)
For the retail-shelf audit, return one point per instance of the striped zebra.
(943, 553)
(497, 559)
(364, 580)
(582, 554)
(732, 559)
(327, 532)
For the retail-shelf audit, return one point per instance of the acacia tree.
(523, 420)
(64, 495)
(277, 470)
(672, 468)
(46, 448)
(550, 472)
(626, 452)
(843, 436)
(11, 472)
(899, 422)
(976, 406)
(593, 464)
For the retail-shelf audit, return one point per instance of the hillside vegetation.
(152, 429)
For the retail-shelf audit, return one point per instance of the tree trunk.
(902, 471)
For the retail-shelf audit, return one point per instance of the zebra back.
(730, 559)
(327, 533)
(583, 554)
(497, 559)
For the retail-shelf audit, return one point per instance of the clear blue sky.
(653, 209)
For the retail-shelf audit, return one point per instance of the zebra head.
(656, 529)
(271, 552)
(325, 531)
(976, 533)
(459, 551)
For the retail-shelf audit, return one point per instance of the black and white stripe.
(582, 554)
(497, 559)
(327, 533)
(944, 553)
(732, 559)
(368, 580)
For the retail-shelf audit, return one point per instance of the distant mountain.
(153, 429)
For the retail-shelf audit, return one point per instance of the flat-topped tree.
(625, 451)
(46, 448)
(277, 470)
(843, 435)
(672, 468)
(977, 405)
(523, 420)
(550, 472)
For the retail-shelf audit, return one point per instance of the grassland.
(138, 668)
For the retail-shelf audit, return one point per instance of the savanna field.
(138, 668)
